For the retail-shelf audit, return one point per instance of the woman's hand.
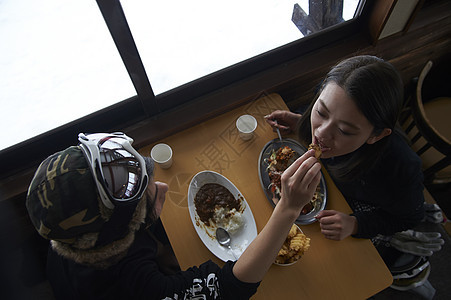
(286, 120)
(336, 225)
(299, 181)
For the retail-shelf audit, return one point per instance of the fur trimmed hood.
(82, 251)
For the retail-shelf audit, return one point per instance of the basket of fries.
(293, 248)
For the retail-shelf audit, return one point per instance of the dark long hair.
(376, 88)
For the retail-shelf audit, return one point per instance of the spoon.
(278, 131)
(223, 238)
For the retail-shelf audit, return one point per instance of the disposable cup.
(246, 125)
(162, 155)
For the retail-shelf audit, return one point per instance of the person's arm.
(140, 276)
(393, 196)
(299, 182)
(388, 222)
(286, 120)
(236, 280)
(336, 225)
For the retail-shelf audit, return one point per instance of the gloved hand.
(433, 213)
(417, 243)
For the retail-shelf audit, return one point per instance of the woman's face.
(158, 191)
(338, 126)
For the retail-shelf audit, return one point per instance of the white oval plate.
(241, 238)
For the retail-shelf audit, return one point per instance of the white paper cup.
(162, 155)
(246, 125)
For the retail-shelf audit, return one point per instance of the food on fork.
(294, 246)
(317, 149)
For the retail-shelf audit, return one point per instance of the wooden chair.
(427, 123)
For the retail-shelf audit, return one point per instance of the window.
(58, 64)
(180, 41)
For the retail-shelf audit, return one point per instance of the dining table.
(347, 269)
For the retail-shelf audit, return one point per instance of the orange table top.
(348, 269)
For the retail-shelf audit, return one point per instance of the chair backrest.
(429, 125)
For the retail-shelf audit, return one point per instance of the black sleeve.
(143, 279)
(400, 203)
(404, 210)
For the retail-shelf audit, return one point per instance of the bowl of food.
(274, 158)
(294, 247)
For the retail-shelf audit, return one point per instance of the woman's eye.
(320, 113)
(344, 132)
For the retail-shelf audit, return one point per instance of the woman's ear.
(373, 139)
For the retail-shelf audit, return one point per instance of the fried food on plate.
(294, 246)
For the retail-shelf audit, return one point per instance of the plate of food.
(294, 247)
(214, 201)
(275, 157)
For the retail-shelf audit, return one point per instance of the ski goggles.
(119, 171)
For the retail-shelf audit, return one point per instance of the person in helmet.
(99, 206)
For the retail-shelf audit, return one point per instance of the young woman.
(353, 120)
(99, 205)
